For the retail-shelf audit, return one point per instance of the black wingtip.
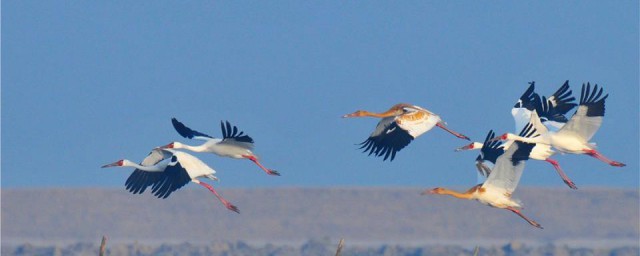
(528, 98)
(181, 128)
(593, 99)
(232, 132)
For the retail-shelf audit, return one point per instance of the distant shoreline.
(590, 244)
(364, 216)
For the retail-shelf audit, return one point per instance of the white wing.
(509, 166)
(155, 156)
(521, 117)
(521, 111)
(506, 174)
(582, 125)
(537, 124)
(588, 118)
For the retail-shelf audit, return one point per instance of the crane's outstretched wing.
(394, 133)
(387, 139)
(173, 178)
(187, 132)
(139, 180)
(562, 100)
(536, 123)
(521, 111)
(509, 166)
(587, 119)
(549, 115)
(526, 100)
(489, 152)
(552, 111)
(232, 136)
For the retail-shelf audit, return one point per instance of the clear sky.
(85, 83)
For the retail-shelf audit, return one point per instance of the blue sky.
(88, 83)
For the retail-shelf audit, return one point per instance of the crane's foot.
(255, 160)
(463, 137)
(536, 224)
(231, 207)
(273, 172)
(617, 164)
(570, 184)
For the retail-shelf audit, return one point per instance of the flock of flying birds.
(540, 122)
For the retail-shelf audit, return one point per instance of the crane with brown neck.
(399, 125)
(502, 181)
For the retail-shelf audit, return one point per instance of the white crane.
(491, 150)
(553, 116)
(574, 136)
(502, 181)
(399, 126)
(234, 144)
(166, 171)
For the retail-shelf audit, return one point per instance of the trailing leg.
(224, 201)
(561, 173)
(533, 223)
(600, 157)
(255, 160)
(452, 132)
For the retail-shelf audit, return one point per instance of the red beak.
(170, 145)
(467, 147)
(501, 137)
(118, 163)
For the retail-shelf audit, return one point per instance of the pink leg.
(452, 132)
(255, 160)
(533, 223)
(224, 201)
(561, 173)
(600, 157)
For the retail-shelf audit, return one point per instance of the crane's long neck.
(152, 168)
(199, 148)
(388, 113)
(465, 195)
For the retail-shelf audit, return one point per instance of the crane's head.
(506, 136)
(474, 145)
(358, 113)
(174, 144)
(118, 163)
(393, 111)
(432, 191)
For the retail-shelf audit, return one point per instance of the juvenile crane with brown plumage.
(401, 124)
(502, 181)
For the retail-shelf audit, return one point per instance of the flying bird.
(234, 143)
(491, 149)
(166, 171)
(551, 110)
(399, 126)
(502, 181)
(551, 114)
(574, 136)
